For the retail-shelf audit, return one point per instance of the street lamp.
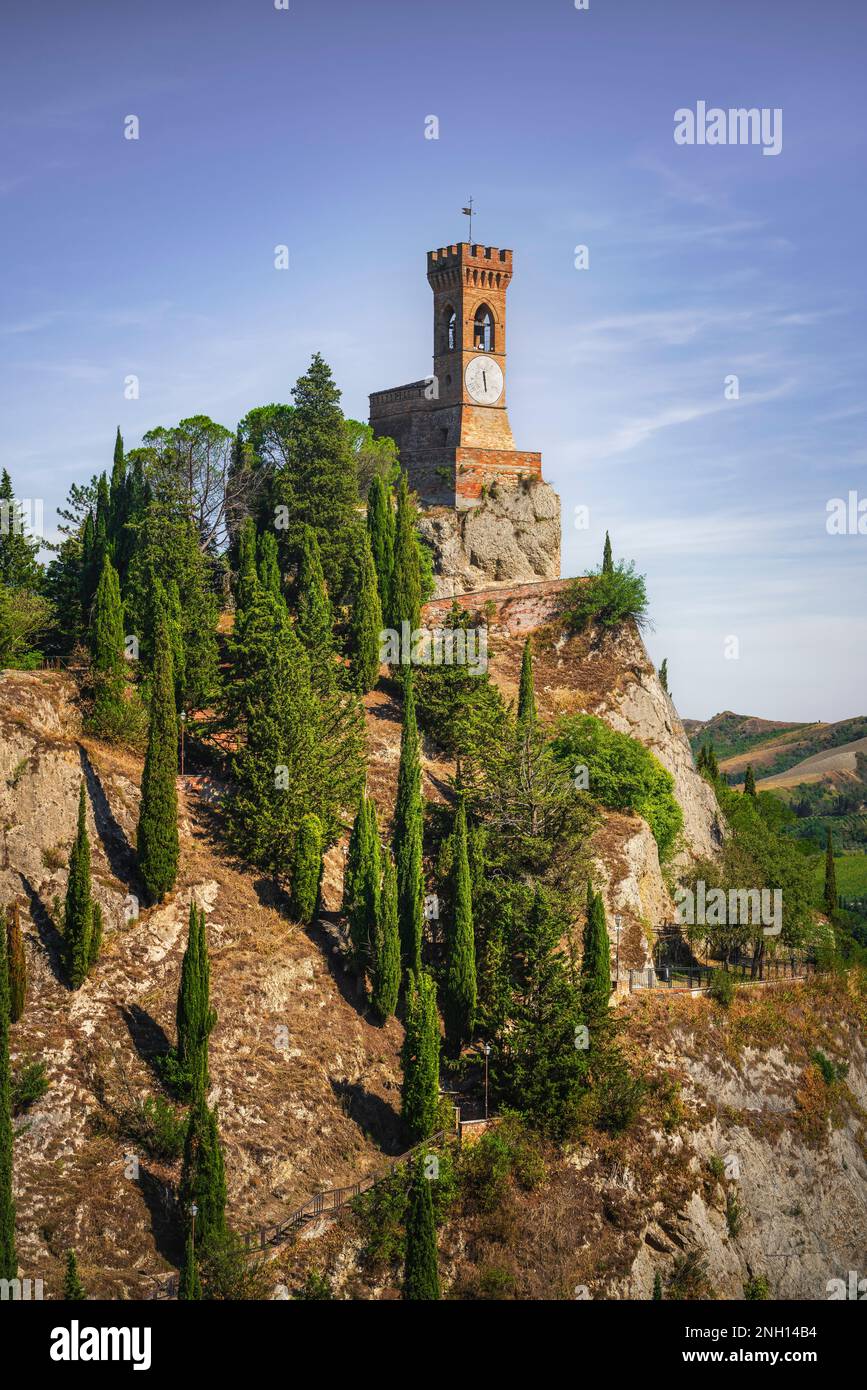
(183, 726)
(487, 1055)
(194, 1211)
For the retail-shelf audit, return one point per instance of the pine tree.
(107, 649)
(365, 626)
(8, 1259)
(268, 565)
(361, 889)
(315, 620)
(380, 529)
(386, 955)
(420, 1057)
(526, 691)
(73, 1289)
(408, 833)
(421, 1276)
(607, 556)
(307, 869)
(405, 588)
(78, 916)
(657, 1287)
(459, 999)
(203, 1178)
(195, 1017)
(830, 893)
(17, 963)
(158, 846)
(19, 568)
(750, 782)
(595, 962)
(663, 676)
(537, 1066)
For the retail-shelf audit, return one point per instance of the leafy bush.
(229, 1274)
(175, 1077)
(155, 1124)
(316, 1288)
(757, 1289)
(622, 774)
(733, 1213)
(721, 988)
(508, 1153)
(617, 1093)
(608, 599)
(831, 1071)
(29, 1084)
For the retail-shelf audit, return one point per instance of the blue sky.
(306, 127)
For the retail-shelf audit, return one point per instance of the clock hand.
(485, 381)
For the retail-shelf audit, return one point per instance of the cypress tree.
(405, 589)
(195, 1017)
(386, 956)
(17, 963)
(314, 618)
(380, 530)
(595, 962)
(750, 782)
(78, 916)
(268, 566)
(189, 1285)
(607, 556)
(73, 1289)
(107, 647)
(421, 1276)
(247, 576)
(361, 889)
(420, 1057)
(365, 626)
(157, 842)
(307, 869)
(459, 1003)
(830, 893)
(657, 1287)
(203, 1178)
(8, 1259)
(526, 692)
(408, 833)
(663, 676)
(117, 493)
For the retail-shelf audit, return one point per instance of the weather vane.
(468, 212)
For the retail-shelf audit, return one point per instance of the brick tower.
(452, 428)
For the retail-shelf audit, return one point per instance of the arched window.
(483, 329)
(451, 328)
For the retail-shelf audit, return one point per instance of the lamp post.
(194, 1211)
(487, 1055)
(183, 727)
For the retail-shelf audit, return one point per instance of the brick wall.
(520, 608)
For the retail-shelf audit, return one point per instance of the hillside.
(779, 753)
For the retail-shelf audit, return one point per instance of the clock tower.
(451, 428)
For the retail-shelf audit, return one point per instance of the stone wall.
(511, 536)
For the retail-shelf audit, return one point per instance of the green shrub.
(156, 1126)
(831, 1071)
(622, 774)
(508, 1153)
(757, 1289)
(733, 1212)
(617, 1093)
(29, 1084)
(316, 1288)
(607, 598)
(721, 988)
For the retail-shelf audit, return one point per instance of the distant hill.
(734, 733)
(783, 755)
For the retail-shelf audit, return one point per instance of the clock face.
(484, 380)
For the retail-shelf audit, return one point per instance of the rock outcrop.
(511, 537)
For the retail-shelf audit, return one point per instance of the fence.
(321, 1204)
(697, 976)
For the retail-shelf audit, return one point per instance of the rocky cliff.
(511, 536)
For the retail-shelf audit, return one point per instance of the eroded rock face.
(629, 877)
(511, 537)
